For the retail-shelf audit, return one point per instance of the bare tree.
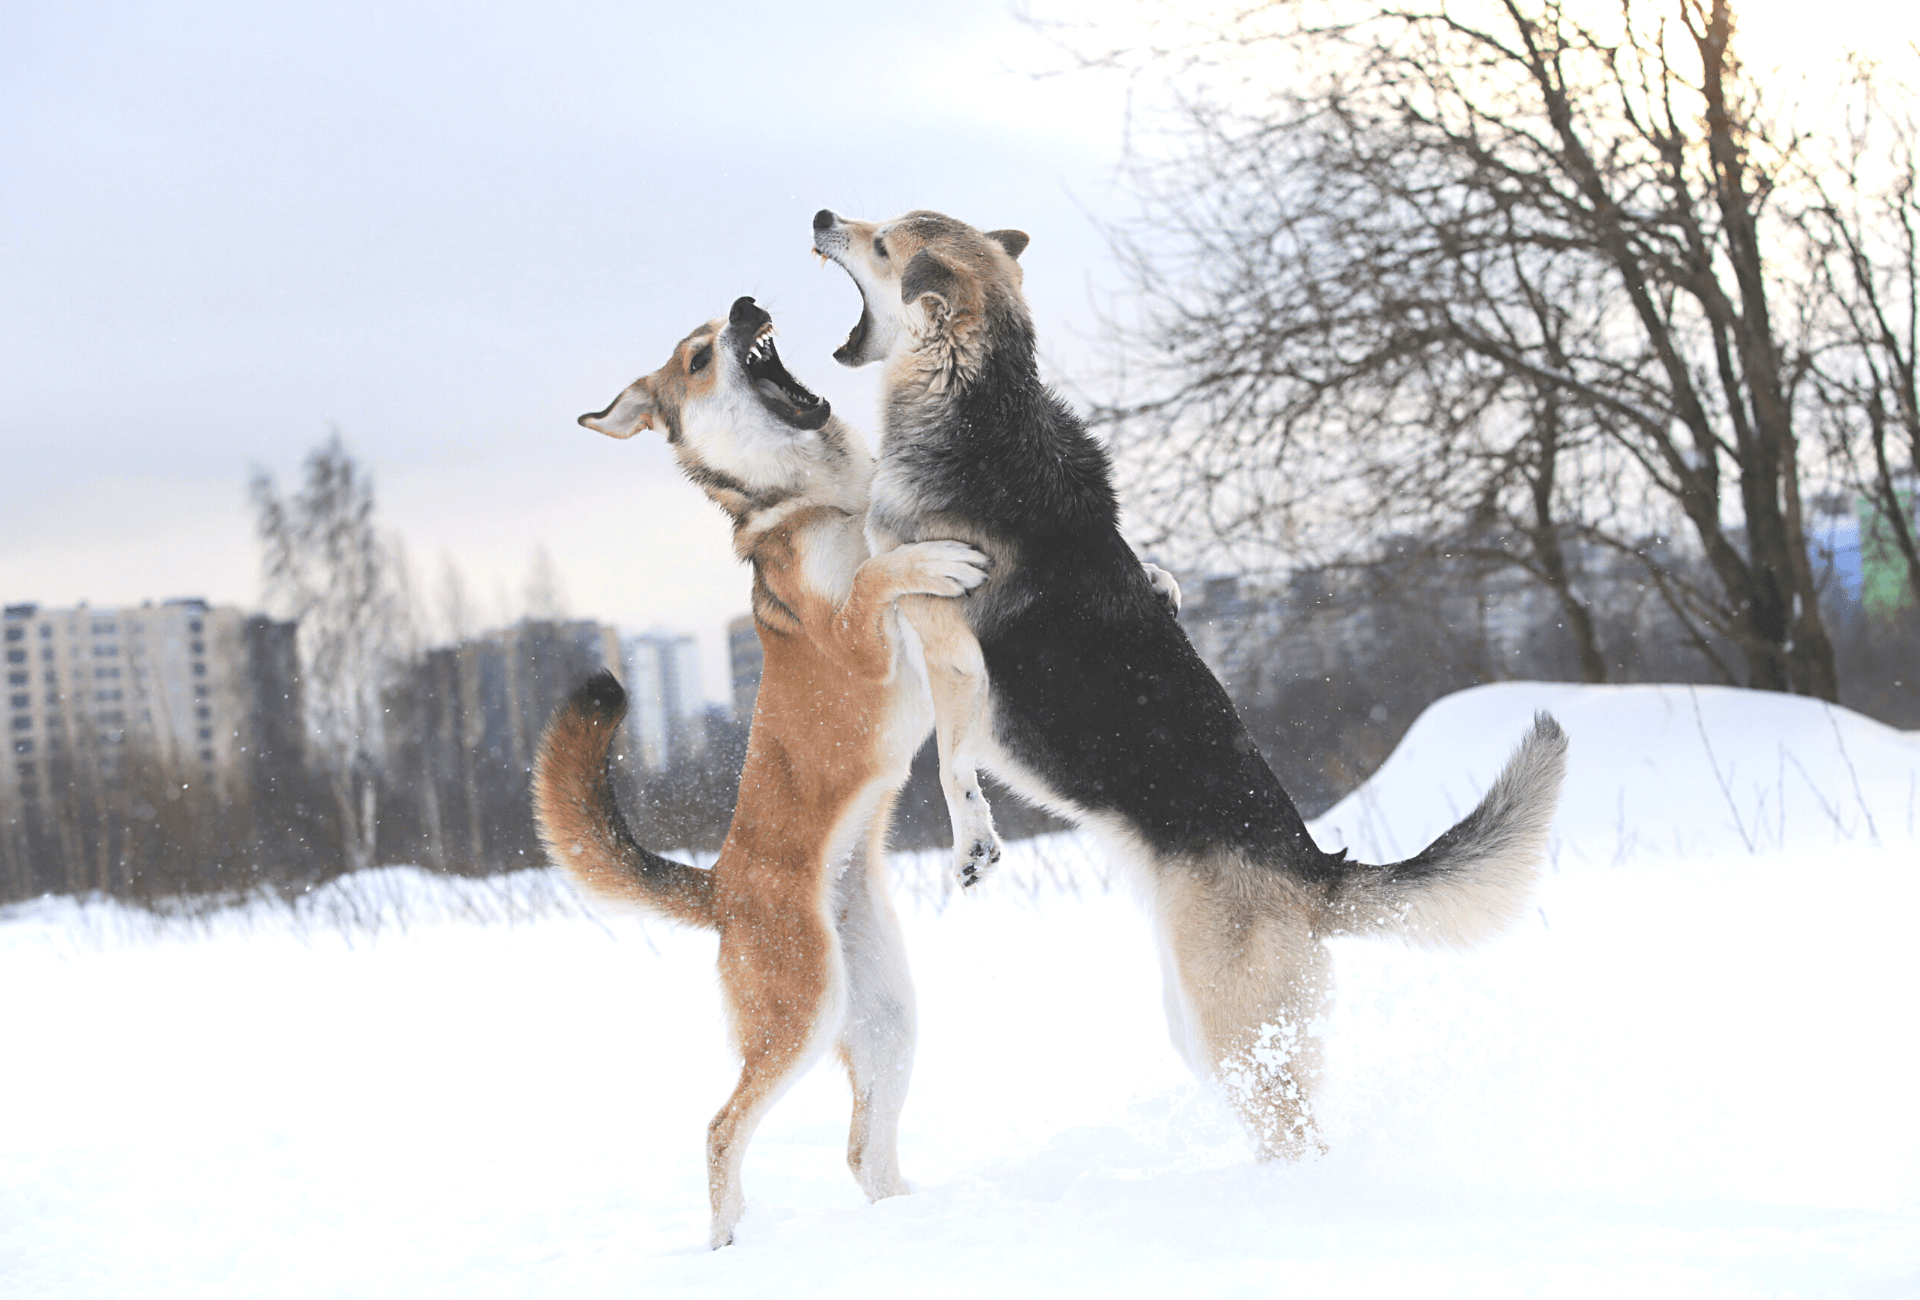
(459, 617)
(1504, 275)
(327, 566)
(1862, 228)
(545, 598)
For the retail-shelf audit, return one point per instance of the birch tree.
(326, 565)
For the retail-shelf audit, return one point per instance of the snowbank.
(1654, 771)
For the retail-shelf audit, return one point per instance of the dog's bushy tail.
(1475, 878)
(580, 822)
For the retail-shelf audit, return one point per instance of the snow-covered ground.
(1690, 1072)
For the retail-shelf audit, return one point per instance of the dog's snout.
(747, 314)
(824, 219)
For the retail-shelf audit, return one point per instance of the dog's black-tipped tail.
(1474, 880)
(580, 822)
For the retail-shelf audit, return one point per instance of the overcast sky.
(449, 229)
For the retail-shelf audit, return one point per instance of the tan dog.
(810, 950)
(1083, 694)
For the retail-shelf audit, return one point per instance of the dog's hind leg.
(779, 968)
(877, 1043)
(957, 678)
(1245, 984)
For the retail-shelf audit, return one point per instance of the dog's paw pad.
(980, 856)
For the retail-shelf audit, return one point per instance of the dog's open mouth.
(850, 352)
(829, 244)
(784, 395)
(853, 351)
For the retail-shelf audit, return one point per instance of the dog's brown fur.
(810, 950)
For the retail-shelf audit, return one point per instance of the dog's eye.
(880, 248)
(700, 359)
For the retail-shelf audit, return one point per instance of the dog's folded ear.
(928, 276)
(1014, 241)
(631, 412)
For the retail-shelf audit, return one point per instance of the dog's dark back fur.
(1096, 688)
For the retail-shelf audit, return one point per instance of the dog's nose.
(747, 314)
(824, 218)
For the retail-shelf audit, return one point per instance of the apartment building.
(665, 712)
(746, 660)
(198, 688)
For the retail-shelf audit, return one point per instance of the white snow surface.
(1689, 1072)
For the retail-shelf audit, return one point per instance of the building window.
(104, 629)
(202, 712)
(105, 651)
(199, 692)
(46, 630)
(193, 626)
(16, 656)
(19, 701)
(108, 697)
(199, 670)
(206, 733)
(23, 746)
(22, 723)
(198, 647)
(16, 633)
(16, 679)
(25, 770)
(206, 756)
(105, 674)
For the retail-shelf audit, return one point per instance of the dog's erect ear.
(631, 412)
(926, 275)
(1014, 241)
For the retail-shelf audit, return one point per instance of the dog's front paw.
(942, 568)
(976, 855)
(1164, 586)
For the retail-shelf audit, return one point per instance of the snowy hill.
(1685, 771)
(1688, 1073)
